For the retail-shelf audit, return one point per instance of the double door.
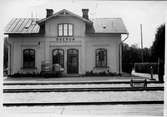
(72, 59)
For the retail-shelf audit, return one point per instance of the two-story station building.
(78, 44)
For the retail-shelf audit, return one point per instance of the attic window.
(64, 13)
(65, 29)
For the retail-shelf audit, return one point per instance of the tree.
(158, 50)
(130, 55)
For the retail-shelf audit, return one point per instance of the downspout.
(120, 47)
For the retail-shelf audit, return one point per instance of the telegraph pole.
(141, 42)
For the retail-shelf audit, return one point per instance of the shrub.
(91, 73)
(51, 74)
(145, 67)
(42, 74)
(17, 75)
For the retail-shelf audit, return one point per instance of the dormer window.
(65, 30)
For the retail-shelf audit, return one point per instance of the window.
(70, 31)
(65, 30)
(28, 58)
(101, 57)
(60, 29)
(58, 57)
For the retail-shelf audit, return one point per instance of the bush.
(91, 73)
(17, 75)
(51, 74)
(145, 67)
(42, 74)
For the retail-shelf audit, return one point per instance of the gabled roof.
(98, 25)
(63, 13)
(22, 26)
(108, 25)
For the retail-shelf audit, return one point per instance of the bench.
(138, 83)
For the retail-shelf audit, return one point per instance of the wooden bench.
(138, 83)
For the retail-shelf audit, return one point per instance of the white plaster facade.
(85, 43)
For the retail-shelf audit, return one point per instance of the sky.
(151, 14)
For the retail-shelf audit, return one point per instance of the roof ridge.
(109, 18)
(25, 18)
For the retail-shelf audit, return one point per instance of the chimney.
(85, 13)
(49, 12)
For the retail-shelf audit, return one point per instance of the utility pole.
(141, 42)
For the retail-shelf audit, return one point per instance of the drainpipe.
(120, 47)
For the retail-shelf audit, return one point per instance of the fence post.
(151, 72)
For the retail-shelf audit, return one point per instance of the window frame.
(54, 55)
(59, 30)
(63, 30)
(105, 58)
(28, 67)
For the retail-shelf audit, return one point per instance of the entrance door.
(58, 57)
(72, 61)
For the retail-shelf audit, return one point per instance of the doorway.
(72, 61)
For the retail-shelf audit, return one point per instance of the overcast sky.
(151, 14)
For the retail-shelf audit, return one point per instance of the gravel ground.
(74, 86)
(70, 79)
(146, 75)
(54, 97)
(111, 110)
